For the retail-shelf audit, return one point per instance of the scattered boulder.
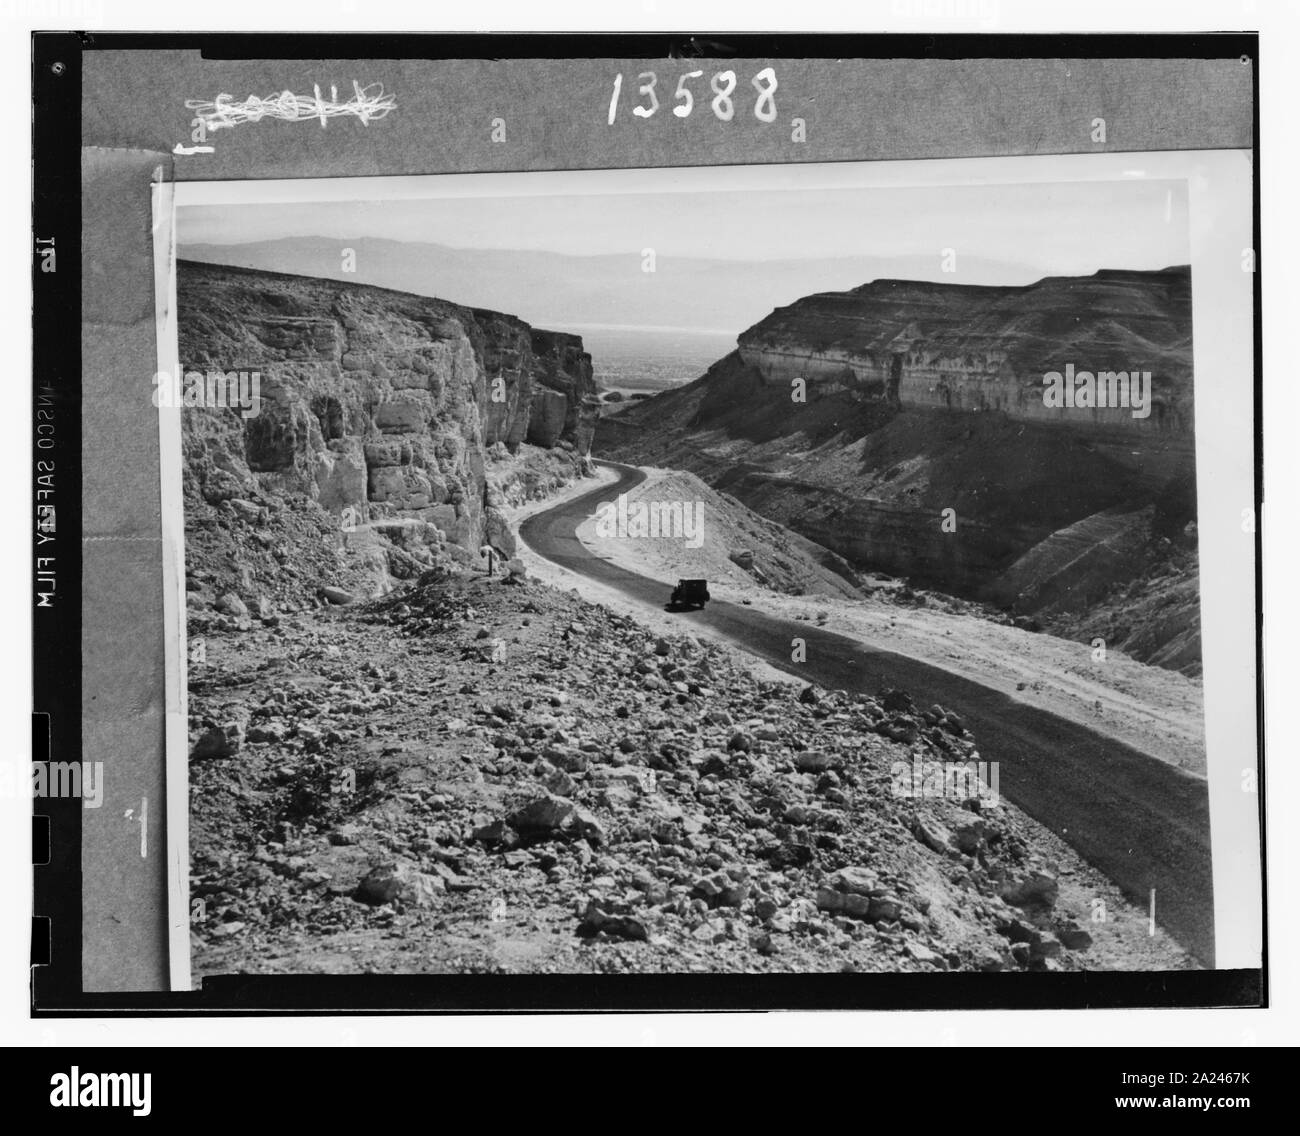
(743, 559)
(1074, 938)
(969, 839)
(857, 880)
(547, 817)
(886, 908)
(855, 892)
(246, 510)
(231, 604)
(345, 834)
(494, 832)
(600, 919)
(1044, 945)
(219, 741)
(387, 882)
(919, 952)
(897, 701)
(815, 761)
(1038, 889)
(723, 889)
(932, 834)
(543, 816)
(559, 782)
(492, 651)
(899, 729)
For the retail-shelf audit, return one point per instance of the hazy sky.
(1048, 227)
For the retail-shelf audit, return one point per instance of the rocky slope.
(922, 398)
(389, 424)
(494, 776)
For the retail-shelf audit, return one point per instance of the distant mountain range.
(553, 290)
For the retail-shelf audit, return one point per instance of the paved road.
(1138, 820)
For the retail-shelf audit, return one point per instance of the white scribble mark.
(367, 103)
(185, 150)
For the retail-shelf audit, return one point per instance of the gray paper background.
(555, 114)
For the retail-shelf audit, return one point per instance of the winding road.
(1141, 822)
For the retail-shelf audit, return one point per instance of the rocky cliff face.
(379, 407)
(919, 442)
(959, 347)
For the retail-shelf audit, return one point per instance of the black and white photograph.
(581, 534)
(693, 572)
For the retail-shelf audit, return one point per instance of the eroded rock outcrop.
(964, 347)
(375, 405)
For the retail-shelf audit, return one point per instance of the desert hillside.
(480, 776)
(861, 418)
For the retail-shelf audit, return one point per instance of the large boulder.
(388, 882)
(549, 817)
(219, 741)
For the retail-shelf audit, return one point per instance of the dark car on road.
(690, 593)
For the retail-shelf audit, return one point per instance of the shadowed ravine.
(1142, 822)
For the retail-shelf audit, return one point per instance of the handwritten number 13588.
(723, 85)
